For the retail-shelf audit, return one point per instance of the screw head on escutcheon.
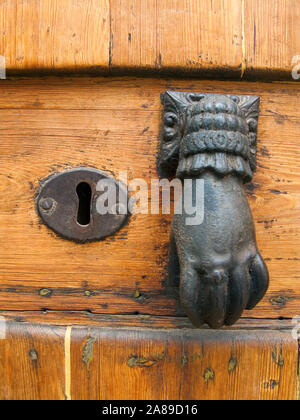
(46, 204)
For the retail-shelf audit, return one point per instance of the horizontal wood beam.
(85, 319)
(52, 124)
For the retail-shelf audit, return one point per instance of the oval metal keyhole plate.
(67, 203)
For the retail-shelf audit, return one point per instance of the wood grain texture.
(168, 365)
(42, 361)
(144, 35)
(217, 38)
(272, 36)
(32, 362)
(51, 124)
(49, 35)
(83, 318)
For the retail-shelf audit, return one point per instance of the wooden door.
(81, 87)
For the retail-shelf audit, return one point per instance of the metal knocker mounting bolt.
(216, 264)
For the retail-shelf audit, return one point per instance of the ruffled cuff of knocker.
(221, 163)
(223, 152)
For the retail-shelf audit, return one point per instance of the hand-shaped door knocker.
(215, 264)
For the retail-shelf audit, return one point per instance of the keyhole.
(84, 193)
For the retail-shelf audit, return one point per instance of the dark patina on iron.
(67, 203)
(215, 265)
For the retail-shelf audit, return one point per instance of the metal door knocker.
(215, 265)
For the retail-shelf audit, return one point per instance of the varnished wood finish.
(272, 37)
(49, 125)
(232, 38)
(200, 365)
(45, 361)
(49, 35)
(144, 37)
(96, 321)
(32, 362)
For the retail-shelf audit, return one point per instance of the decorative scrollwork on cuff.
(209, 131)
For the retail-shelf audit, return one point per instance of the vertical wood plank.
(272, 36)
(117, 364)
(177, 34)
(32, 362)
(55, 34)
(133, 34)
(200, 35)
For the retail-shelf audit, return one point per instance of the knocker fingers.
(259, 281)
(217, 283)
(219, 297)
(192, 296)
(239, 291)
(204, 296)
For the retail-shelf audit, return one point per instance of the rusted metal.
(215, 265)
(58, 205)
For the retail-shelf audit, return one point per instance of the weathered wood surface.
(32, 362)
(40, 361)
(232, 38)
(83, 318)
(144, 36)
(183, 365)
(51, 124)
(272, 37)
(47, 35)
